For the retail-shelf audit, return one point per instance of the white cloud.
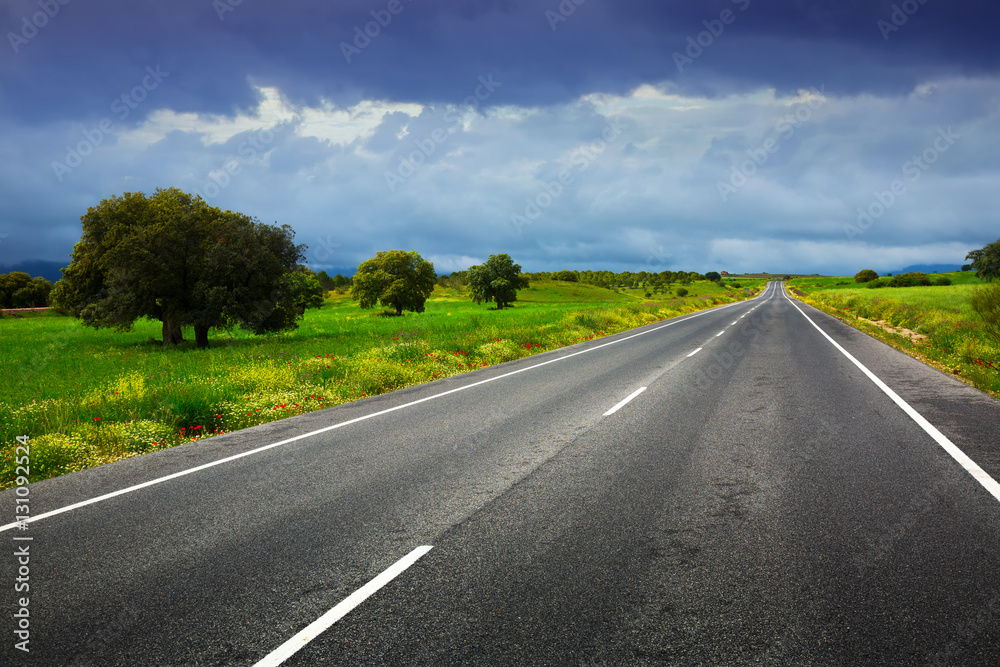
(651, 188)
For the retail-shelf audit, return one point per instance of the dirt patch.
(17, 311)
(885, 326)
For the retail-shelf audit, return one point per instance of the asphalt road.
(761, 502)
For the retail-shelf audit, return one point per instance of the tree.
(325, 281)
(19, 290)
(173, 258)
(396, 279)
(304, 289)
(713, 276)
(681, 291)
(497, 280)
(986, 261)
(566, 276)
(867, 275)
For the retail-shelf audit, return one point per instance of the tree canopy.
(173, 258)
(20, 290)
(497, 280)
(714, 276)
(395, 278)
(865, 276)
(986, 261)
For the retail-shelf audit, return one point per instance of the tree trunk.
(399, 311)
(201, 335)
(172, 333)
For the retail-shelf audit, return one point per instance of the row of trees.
(626, 279)
(403, 280)
(20, 290)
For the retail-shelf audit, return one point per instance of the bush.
(865, 276)
(681, 291)
(566, 276)
(877, 284)
(912, 279)
(986, 302)
(941, 281)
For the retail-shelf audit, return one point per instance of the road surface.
(759, 499)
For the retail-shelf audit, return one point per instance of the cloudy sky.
(740, 135)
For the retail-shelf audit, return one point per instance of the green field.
(935, 324)
(87, 397)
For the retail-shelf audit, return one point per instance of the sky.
(738, 135)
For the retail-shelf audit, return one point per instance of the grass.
(934, 324)
(87, 397)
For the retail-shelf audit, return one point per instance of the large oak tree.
(395, 278)
(173, 258)
(497, 280)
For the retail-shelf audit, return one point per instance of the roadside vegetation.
(87, 397)
(935, 323)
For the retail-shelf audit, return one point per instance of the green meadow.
(86, 397)
(935, 324)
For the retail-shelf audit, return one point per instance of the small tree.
(713, 276)
(986, 261)
(395, 278)
(681, 291)
(865, 276)
(497, 280)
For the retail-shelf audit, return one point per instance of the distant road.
(724, 488)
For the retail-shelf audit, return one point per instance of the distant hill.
(48, 270)
(930, 268)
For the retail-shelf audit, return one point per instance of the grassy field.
(87, 397)
(935, 324)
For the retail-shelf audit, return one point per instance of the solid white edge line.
(963, 460)
(321, 624)
(695, 352)
(719, 334)
(205, 466)
(622, 403)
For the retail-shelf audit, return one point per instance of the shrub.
(566, 276)
(912, 279)
(986, 302)
(498, 352)
(941, 281)
(865, 276)
(681, 291)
